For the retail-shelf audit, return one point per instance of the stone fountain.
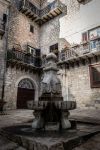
(51, 114)
(50, 108)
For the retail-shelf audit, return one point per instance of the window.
(31, 28)
(95, 76)
(94, 37)
(54, 49)
(31, 50)
(63, 55)
(94, 33)
(4, 18)
(84, 37)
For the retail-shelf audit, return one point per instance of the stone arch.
(33, 82)
(26, 83)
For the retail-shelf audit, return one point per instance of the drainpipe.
(5, 61)
(24, 2)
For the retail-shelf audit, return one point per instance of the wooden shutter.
(84, 37)
(95, 76)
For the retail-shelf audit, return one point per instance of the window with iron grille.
(95, 76)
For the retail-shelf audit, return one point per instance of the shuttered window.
(95, 75)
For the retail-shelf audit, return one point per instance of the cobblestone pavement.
(21, 116)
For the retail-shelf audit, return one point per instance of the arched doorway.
(25, 93)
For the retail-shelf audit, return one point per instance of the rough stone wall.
(19, 30)
(76, 86)
(76, 81)
(50, 31)
(13, 77)
(4, 7)
(19, 33)
(49, 35)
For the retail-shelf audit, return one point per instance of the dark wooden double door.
(23, 96)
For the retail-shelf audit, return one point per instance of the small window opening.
(31, 28)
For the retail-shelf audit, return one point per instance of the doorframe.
(35, 84)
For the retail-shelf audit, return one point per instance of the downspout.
(5, 55)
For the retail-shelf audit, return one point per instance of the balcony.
(52, 10)
(80, 53)
(2, 27)
(23, 60)
(41, 16)
(66, 54)
(29, 10)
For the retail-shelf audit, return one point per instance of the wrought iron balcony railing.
(18, 57)
(2, 27)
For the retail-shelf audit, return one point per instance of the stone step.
(6, 144)
(50, 140)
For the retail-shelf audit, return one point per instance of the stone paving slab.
(86, 115)
(14, 117)
(92, 144)
(49, 140)
(6, 144)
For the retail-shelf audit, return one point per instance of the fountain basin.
(63, 105)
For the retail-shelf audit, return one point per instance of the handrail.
(40, 12)
(29, 5)
(77, 51)
(23, 57)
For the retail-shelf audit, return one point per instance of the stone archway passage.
(25, 93)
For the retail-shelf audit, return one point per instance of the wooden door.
(23, 96)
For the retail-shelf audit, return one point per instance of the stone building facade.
(37, 27)
(4, 11)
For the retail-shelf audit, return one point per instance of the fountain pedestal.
(51, 108)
